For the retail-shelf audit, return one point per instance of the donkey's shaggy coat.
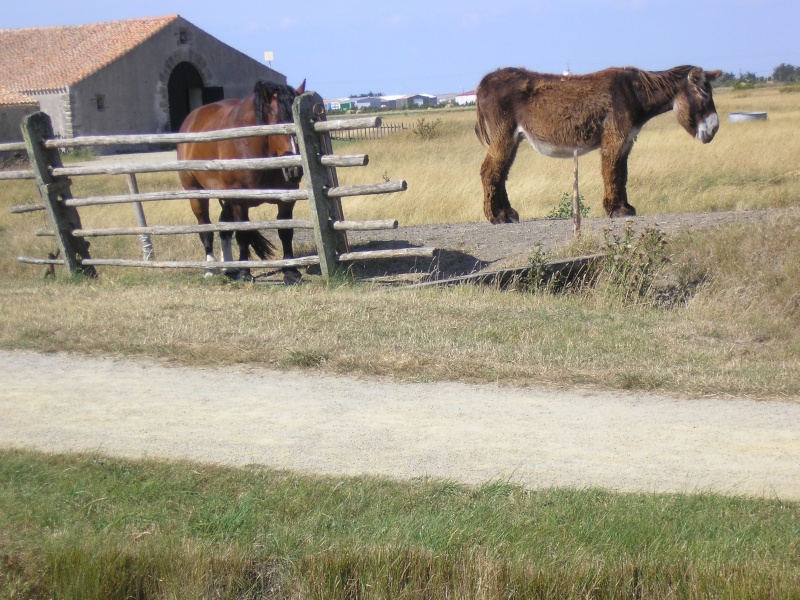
(561, 114)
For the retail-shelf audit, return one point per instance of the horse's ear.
(713, 75)
(301, 88)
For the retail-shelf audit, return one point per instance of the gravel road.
(343, 426)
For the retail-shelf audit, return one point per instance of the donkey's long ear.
(696, 76)
(713, 75)
(301, 88)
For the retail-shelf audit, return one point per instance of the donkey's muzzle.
(708, 128)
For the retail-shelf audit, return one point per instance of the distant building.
(367, 102)
(466, 98)
(133, 76)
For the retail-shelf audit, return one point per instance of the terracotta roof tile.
(52, 58)
(9, 97)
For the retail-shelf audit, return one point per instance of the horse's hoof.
(292, 277)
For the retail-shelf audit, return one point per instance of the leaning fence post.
(329, 242)
(36, 128)
(148, 253)
(576, 201)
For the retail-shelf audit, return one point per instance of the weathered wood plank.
(12, 147)
(315, 178)
(305, 261)
(186, 229)
(209, 136)
(421, 252)
(240, 164)
(365, 225)
(269, 195)
(22, 174)
(387, 187)
(35, 129)
(501, 278)
(25, 208)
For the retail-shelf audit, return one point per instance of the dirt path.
(343, 426)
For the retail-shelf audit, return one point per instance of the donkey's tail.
(481, 129)
(260, 245)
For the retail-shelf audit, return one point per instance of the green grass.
(95, 527)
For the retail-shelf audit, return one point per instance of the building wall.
(11, 116)
(132, 91)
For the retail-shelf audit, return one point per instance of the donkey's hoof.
(503, 216)
(292, 276)
(625, 210)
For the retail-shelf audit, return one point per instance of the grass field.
(76, 527)
(95, 527)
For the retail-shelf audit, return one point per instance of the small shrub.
(427, 130)
(564, 208)
(539, 278)
(633, 262)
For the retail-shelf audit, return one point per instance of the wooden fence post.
(576, 202)
(148, 253)
(329, 242)
(35, 129)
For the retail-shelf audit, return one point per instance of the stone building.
(122, 77)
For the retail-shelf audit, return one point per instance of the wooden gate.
(320, 179)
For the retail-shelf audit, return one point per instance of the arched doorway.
(186, 92)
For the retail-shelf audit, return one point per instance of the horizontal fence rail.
(321, 189)
(368, 133)
(210, 136)
(379, 225)
(271, 195)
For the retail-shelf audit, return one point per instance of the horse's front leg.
(494, 173)
(200, 210)
(291, 275)
(614, 160)
(226, 239)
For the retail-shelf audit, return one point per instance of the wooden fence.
(368, 133)
(319, 176)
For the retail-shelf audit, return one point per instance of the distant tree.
(786, 73)
(726, 79)
(368, 95)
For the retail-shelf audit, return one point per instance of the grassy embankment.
(105, 528)
(92, 527)
(737, 333)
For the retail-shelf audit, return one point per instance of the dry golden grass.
(748, 165)
(738, 334)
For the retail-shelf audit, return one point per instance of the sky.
(442, 46)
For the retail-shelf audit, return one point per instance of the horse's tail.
(481, 129)
(260, 245)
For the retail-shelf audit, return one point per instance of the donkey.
(559, 115)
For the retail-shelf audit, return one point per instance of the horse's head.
(273, 105)
(694, 104)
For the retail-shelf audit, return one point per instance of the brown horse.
(269, 104)
(561, 114)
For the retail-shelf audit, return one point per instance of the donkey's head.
(273, 105)
(694, 104)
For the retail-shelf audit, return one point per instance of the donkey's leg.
(291, 275)
(494, 172)
(614, 159)
(200, 210)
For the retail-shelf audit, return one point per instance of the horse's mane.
(666, 82)
(286, 95)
